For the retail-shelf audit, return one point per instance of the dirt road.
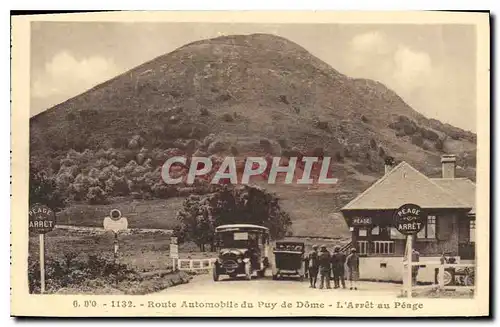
(203, 284)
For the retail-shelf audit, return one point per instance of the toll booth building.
(448, 203)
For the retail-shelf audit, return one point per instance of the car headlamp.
(239, 260)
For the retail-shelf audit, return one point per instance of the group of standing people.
(336, 263)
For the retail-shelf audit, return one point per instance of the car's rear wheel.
(448, 278)
(261, 273)
(233, 275)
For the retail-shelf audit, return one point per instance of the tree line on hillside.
(200, 215)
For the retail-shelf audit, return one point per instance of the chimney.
(388, 164)
(448, 162)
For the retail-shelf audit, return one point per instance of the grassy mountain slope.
(253, 94)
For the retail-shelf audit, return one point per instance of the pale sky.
(432, 67)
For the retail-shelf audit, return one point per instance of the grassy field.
(313, 213)
(145, 254)
(157, 213)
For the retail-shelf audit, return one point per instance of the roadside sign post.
(174, 251)
(42, 262)
(409, 219)
(115, 223)
(42, 220)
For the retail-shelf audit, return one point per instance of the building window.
(429, 230)
(376, 230)
(472, 231)
(363, 247)
(363, 232)
(383, 247)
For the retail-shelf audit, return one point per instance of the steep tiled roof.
(461, 188)
(404, 184)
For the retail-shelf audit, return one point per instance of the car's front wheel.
(215, 274)
(248, 271)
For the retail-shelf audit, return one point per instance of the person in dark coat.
(325, 261)
(352, 264)
(338, 262)
(312, 264)
(415, 257)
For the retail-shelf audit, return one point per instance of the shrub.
(400, 133)
(321, 124)
(96, 195)
(338, 156)
(163, 191)
(381, 152)
(227, 117)
(417, 140)
(117, 186)
(283, 143)
(43, 189)
(224, 97)
(204, 112)
(409, 129)
(135, 142)
(318, 152)
(439, 144)
(63, 181)
(373, 144)
(284, 99)
(429, 134)
(454, 135)
(216, 146)
(120, 142)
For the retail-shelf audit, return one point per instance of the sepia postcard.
(252, 164)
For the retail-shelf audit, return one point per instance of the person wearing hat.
(311, 262)
(325, 261)
(352, 264)
(338, 262)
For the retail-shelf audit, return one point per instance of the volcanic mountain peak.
(253, 92)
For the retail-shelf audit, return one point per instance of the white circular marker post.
(115, 223)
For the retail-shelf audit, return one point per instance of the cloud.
(434, 88)
(65, 76)
(373, 42)
(375, 55)
(412, 69)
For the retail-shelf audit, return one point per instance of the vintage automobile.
(289, 259)
(243, 250)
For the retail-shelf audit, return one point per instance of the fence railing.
(195, 264)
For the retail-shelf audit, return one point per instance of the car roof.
(289, 243)
(240, 226)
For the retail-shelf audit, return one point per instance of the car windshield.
(237, 239)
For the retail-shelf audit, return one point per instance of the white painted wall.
(371, 268)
